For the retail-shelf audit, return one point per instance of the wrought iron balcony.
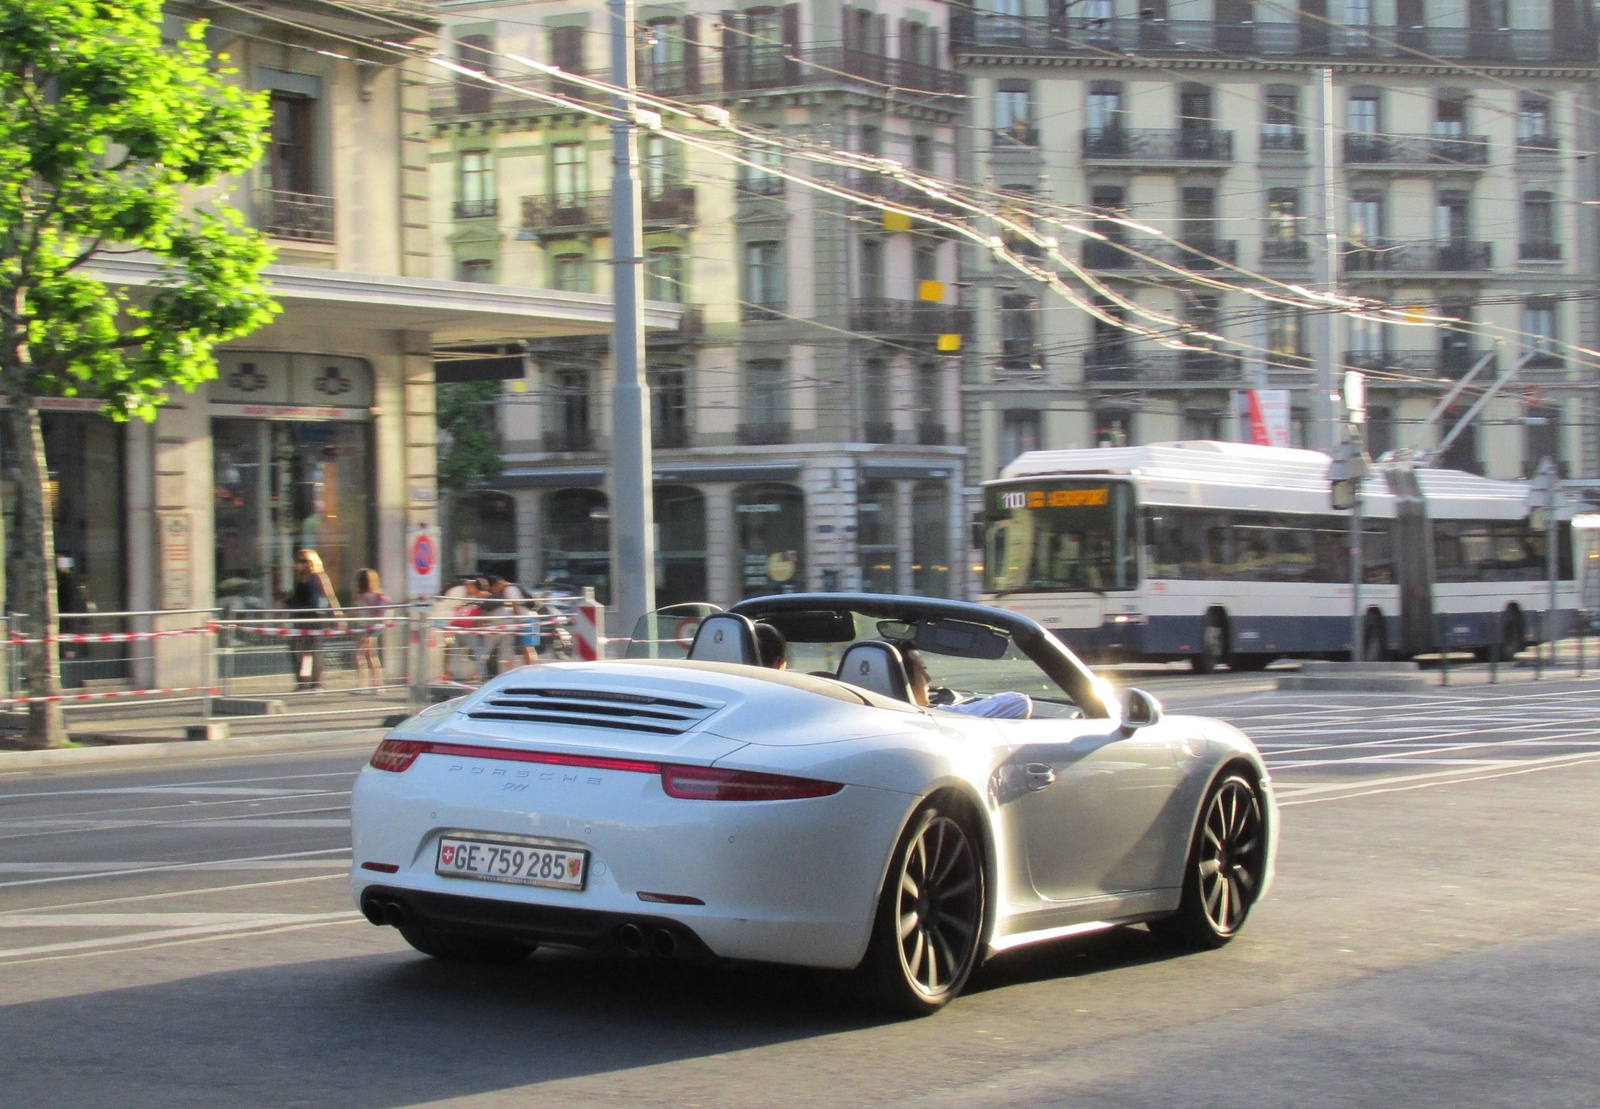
(1018, 135)
(559, 216)
(1118, 365)
(763, 434)
(466, 96)
(931, 435)
(569, 439)
(877, 431)
(302, 217)
(1536, 147)
(1388, 257)
(985, 32)
(1280, 139)
(1452, 152)
(897, 191)
(1021, 356)
(749, 311)
(753, 66)
(754, 184)
(1285, 250)
(1449, 363)
(673, 435)
(672, 206)
(917, 318)
(477, 209)
(1539, 250)
(1117, 144)
(1190, 253)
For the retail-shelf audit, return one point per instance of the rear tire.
(928, 929)
(458, 947)
(1226, 866)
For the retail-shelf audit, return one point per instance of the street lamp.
(1544, 510)
(1345, 475)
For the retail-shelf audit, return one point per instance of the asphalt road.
(178, 932)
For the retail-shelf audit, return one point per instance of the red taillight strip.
(394, 751)
(382, 868)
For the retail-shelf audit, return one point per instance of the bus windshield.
(1060, 534)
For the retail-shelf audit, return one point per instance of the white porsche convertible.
(710, 807)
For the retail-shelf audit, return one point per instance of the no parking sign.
(422, 562)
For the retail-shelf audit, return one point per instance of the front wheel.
(1226, 867)
(929, 924)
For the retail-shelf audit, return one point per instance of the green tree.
(109, 139)
(470, 452)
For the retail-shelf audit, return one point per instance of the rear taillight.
(707, 783)
(397, 755)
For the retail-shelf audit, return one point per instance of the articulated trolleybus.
(1228, 553)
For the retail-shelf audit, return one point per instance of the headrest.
(725, 637)
(876, 666)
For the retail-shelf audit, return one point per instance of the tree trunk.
(34, 589)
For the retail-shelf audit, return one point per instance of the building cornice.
(987, 60)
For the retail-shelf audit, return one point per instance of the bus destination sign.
(1055, 498)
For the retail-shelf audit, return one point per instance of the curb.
(177, 749)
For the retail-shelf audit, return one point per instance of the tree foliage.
(471, 454)
(113, 143)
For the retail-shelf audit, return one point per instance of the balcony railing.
(1285, 250)
(763, 434)
(671, 206)
(877, 431)
(1184, 367)
(550, 216)
(567, 440)
(750, 311)
(671, 436)
(748, 67)
(1017, 136)
(760, 185)
(1535, 147)
(918, 318)
(987, 32)
(1021, 356)
(1118, 144)
(477, 209)
(1444, 152)
(300, 216)
(1450, 363)
(1418, 257)
(1127, 254)
(1539, 250)
(931, 435)
(1289, 140)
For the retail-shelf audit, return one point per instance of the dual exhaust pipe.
(635, 941)
(383, 910)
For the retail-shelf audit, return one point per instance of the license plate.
(523, 863)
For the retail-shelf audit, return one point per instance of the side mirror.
(1139, 710)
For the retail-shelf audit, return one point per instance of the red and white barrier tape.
(103, 637)
(358, 627)
(110, 693)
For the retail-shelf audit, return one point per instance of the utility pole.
(632, 514)
(1320, 433)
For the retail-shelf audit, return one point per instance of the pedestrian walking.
(371, 603)
(521, 643)
(312, 593)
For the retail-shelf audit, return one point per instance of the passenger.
(1009, 705)
(771, 648)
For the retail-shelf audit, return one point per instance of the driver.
(771, 648)
(1009, 705)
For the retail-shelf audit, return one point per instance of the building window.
(1534, 129)
(922, 153)
(872, 269)
(771, 521)
(929, 404)
(877, 420)
(571, 429)
(763, 280)
(655, 166)
(1281, 238)
(289, 166)
(766, 399)
(1104, 107)
(569, 174)
(663, 274)
(1018, 332)
(1019, 433)
(570, 273)
(1358, 13)
(1113, 426)
(1539, 332)
(877, 537)
(476, 193)
(680, 512)
(870, 140)
(1366, 230)
(479, 271)
(669, 406)
(930, 539)
(1539, 227)
(661, 62)
(1450, 114)
(1541, 438)
(1013, 113)
(1202, 423)
(761, 179)
(577, 540)
(1285, 333)
(1280, 124)
(1368, 342)
(1363, 115)
(924, 266)
(475, 52)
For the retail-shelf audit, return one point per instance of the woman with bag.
(312, 593)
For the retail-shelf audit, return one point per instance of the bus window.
(1061, 535)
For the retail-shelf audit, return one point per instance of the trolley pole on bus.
(1345, 475)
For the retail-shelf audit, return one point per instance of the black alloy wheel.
(1226, 868)
(930, 916)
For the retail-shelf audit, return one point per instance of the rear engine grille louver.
(594, 708)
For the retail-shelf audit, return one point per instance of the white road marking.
(124, 949)
(152, 920)
(198, 891)
(161, 868)
(181, 787)
(255, 923)
(226, 864)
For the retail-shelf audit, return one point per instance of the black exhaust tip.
(394, 913)
(631, 937)
(372, 909)
(664, 943)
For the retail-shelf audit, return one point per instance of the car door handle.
(1038, 775)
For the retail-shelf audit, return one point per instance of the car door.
(1096, 807)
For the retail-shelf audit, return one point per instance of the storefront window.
(680, 512)
(930, 539)
(577, 541)
(282, 485)
(771, 519)
(875, 537)
(483, 535)
(84, 454)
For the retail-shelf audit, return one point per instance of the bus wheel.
(1213, 645)
(1374, 640)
